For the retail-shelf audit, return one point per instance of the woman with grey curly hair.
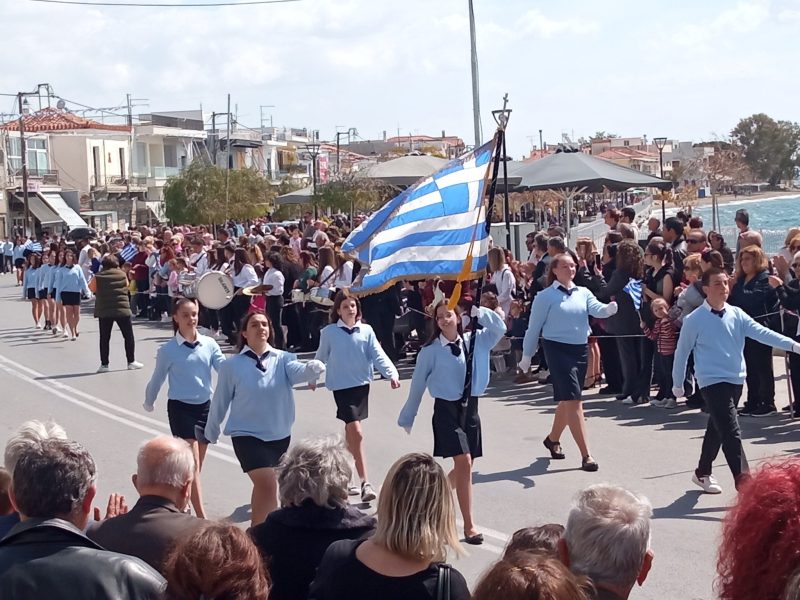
(313, 479)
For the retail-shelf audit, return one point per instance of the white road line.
(126, 417)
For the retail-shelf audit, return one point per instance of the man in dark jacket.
(164, 474)
(47, 555)
(673, 235)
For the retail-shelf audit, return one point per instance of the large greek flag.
(429, 230)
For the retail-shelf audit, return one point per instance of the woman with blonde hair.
(403, 560)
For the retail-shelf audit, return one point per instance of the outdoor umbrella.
(404, 171)
(301, 196)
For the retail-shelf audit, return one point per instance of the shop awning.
(43, 213)
(60, 206)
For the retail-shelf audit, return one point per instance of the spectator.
(607, 539)
(8, 516)
(416, 525)
(628, 231)
(612, 217)
(217, 562)
(163, 479)
(750, 238)
(696, 222)
(47, 553)
(112, 305)
(742, 221)
(653, 228)
(27, 435)
(789, 297)
(673, 236)
(535, 539)
(760, 535)
(629, 218)
(717, 242)
(313, 479)
(696, 241)
(531, 576)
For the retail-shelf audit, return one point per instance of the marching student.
(350, 351)
(71, 285)
(560, 314)
(30, 286)
(441, 368)
(18, 254)
(716, 333)
(255, 386)
(56, 308)
(42, 288)
(186, 362)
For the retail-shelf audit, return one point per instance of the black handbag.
(443, 582)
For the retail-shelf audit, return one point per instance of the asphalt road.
(652, 451)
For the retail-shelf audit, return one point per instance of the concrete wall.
(69, 156)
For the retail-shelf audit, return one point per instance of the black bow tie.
(568, 292)
(259, 359)
(719, 313)
(349, 331)
(191, 345)
(455, 348)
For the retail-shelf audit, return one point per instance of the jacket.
(789, 296)
(111, 295)
(755, 297)
(293, 540)
(146, 531)
(51, 558)
(626, 321)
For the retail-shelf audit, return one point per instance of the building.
(634, 153)
(388, 148)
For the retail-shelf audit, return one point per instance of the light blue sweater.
(30, 279)
(188, 370)
(350, 358)
(443, 374)
(45, 271)
(71, 279)
(18, 252)
(261, 404)
(718, 342)
(55, 277)
(559, 317)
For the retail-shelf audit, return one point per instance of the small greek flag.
(634, 290)
(33, 246)
(430, 230)
(128, 252)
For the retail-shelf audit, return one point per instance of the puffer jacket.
(111, 295)
(53, 559)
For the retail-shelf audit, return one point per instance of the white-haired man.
(607, 538)
(164, 474)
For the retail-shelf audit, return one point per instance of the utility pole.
(130, 164)
(24, 151)
(228, 159)
(541, 143)
(476, 101)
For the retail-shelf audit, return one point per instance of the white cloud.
(535, 22)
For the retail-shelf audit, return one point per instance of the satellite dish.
(61, 105)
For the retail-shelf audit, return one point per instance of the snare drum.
(299, 296)
(213, 289)
(322, 296)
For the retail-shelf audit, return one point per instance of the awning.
(60, 206)
(43, 213)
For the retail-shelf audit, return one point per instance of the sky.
(681, 69)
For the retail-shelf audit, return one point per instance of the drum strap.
(328, 278)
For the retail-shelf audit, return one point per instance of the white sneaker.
(72, 339)
(708, 483)
(543, 375)
(367, 493)
(134, 366)
(103, 369)
(353, 490)
(37, 326)
(670, 403)
(629, 400)
(66, 334)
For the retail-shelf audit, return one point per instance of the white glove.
(678, 391)
(525, 364)
(147, 407)
(612, 306)
(317, 366)
(796, 348)
(475, 312)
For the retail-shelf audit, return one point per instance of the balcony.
(40, 176)
(117, 183)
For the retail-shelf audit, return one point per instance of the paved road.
(649, 450)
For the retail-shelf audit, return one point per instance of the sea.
(772, 216)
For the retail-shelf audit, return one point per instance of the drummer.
(198, 261)
(244, 276)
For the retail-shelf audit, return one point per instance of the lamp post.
(660, 142)
(313, 150)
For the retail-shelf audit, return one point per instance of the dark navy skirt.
(567, 364)
(254, 453)
(456, 428)
(352, 404)
(186, 418)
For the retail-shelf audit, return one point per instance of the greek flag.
(34, 246)
(128, 251)
(634, 289)
(429, 230)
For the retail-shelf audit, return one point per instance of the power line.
(165, 5)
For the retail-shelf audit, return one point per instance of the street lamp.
(313, 150)
(660, 142)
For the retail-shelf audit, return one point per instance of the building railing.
(45, 177)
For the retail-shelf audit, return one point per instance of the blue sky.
(682, 69)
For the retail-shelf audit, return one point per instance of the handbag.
(443, 582)
(92, 285)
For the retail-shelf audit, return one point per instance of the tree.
(770, 148)
(198, 195)
(602, 135)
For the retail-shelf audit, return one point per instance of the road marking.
(148, 424)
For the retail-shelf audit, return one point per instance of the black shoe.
(620, 397)
(765, 411)
(788, 408)
(747, 411)
(589, 464)
(607, 390)
(474, 540)
(554, 448)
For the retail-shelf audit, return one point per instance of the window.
(37, 155)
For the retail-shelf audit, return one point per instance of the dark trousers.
(126, 327)
(142, 297)
(230, 317)
(609, 355)
(721, 400)
(629, 356)
(647, 351)
(663, 373)
(760, 376)
(275, 312)
(794, 367)
(8, 264)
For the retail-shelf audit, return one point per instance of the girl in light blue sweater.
(30, 286)
(350, 351)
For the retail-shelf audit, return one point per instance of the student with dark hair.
(673, 233)
(716, 333)
(543, 538)
(531, 576)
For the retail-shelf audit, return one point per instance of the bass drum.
(212, 289)
(322, 296)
